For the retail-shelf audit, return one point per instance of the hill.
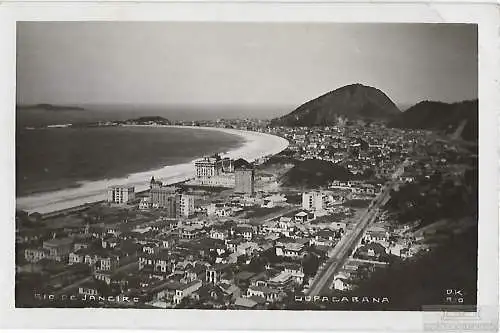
(314, 173)
(354, 101)
(459, 119)
(50, 107)
(149, 119)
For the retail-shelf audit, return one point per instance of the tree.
(257, 264)
(310, 264)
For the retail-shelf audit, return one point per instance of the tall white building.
(186, 205)
(121, 194)
(209, 166)
(314, 201)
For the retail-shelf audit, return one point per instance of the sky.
(247, 65)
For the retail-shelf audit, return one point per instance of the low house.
(230, 291)
(34, 255)
(109, 262)
(120, 280)
(376, 234)
(327, 234)
(88, 289)
(338, 226)
(295, 270)
(396, 249)
(185, 290)
(103, 276)
(273, 201)
(341, 282)
(219, 233)
(222, 211)
(210, 294)
(245, 231)
(113, 229)
(59, 248)
(80, 245)
(28, 236)
(174, 292)
(191, 231)
(91, 257)
(269, 294)
(246, 248)
(301, 217)
(283, 280)
(285, 224)
(245, 303)
(194, 272)
(110, 242)
(157, 262)
(290, 249)
(232, 245)
(150, 248)
(77, 257)
(372, 251)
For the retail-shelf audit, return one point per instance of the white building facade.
(121, 194)
(314, 201)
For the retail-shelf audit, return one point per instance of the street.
(343, 249)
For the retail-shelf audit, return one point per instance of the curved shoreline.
(257, 145)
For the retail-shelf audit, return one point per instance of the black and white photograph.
(246, 166)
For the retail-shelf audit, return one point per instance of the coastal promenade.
(256, 145)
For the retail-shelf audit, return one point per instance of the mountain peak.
(354, 101)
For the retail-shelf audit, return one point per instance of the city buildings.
(165, 197)
(208, 166)
(121, 194)
(57, 249)
(186, 205)
(179, 258)
(214, 171)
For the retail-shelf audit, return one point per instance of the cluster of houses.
(359, 149)
(379, 243)
(168, 262)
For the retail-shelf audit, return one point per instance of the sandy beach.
(256, 145)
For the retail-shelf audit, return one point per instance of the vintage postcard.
(233, 166)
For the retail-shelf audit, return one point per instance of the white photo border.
(484, 14)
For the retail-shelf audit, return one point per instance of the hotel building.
(209, 166)
(214, 171)
(165, 197)
(121, 194)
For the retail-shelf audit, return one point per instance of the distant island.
(147, 120)
(49, 107)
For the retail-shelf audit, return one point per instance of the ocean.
(59, 158)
